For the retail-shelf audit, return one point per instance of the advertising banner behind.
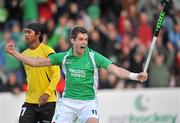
(127, 106)
(140, 106)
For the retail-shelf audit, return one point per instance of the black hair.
(77, 30)
(38, 28)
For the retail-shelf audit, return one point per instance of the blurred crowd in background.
(121, 30)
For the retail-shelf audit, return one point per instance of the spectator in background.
(62, 45)
(174, 36)
(136, 64)
(124, 55)
(31, 14)
(93, 10)
(87, 19)
(17, 35)
(144, 30)
(168, 23)
(133, 17)
(14, 9)
(12, 85)
(3, 15)
(177, 16)
(62, 8)
(60, 32)
(124, 23)
(112, 42)
(73, 11)
(162, 63)
(50, 26)
(46, 9)
(95, 41)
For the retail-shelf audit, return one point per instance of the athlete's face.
(30, 36)
(80, 44)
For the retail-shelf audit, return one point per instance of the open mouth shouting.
(83, 46)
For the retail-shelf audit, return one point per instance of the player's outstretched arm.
(37, 62)
(123, 73)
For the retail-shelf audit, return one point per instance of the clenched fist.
(10, 47)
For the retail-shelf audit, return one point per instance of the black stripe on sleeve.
(50, 54)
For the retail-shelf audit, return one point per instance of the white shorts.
(69, 110)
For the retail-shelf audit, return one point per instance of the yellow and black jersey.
(41, 79)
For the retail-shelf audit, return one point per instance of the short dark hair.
(38, 28)
(77, 30)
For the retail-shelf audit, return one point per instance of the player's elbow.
(35, 63)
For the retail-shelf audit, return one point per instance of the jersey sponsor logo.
(77, 73)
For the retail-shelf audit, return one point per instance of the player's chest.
(84, 63)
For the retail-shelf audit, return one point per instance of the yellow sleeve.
(54, 74)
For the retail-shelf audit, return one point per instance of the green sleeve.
(101, 61)
(56, 58)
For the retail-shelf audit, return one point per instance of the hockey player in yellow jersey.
(40, 99)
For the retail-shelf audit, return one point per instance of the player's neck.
(77, 54)
(34, 45)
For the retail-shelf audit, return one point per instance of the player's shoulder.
(93, 51)
(25, 51)
(46, 48)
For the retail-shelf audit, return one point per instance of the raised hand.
(10, 47)
(142, 76)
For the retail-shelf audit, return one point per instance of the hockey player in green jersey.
(80, 66)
